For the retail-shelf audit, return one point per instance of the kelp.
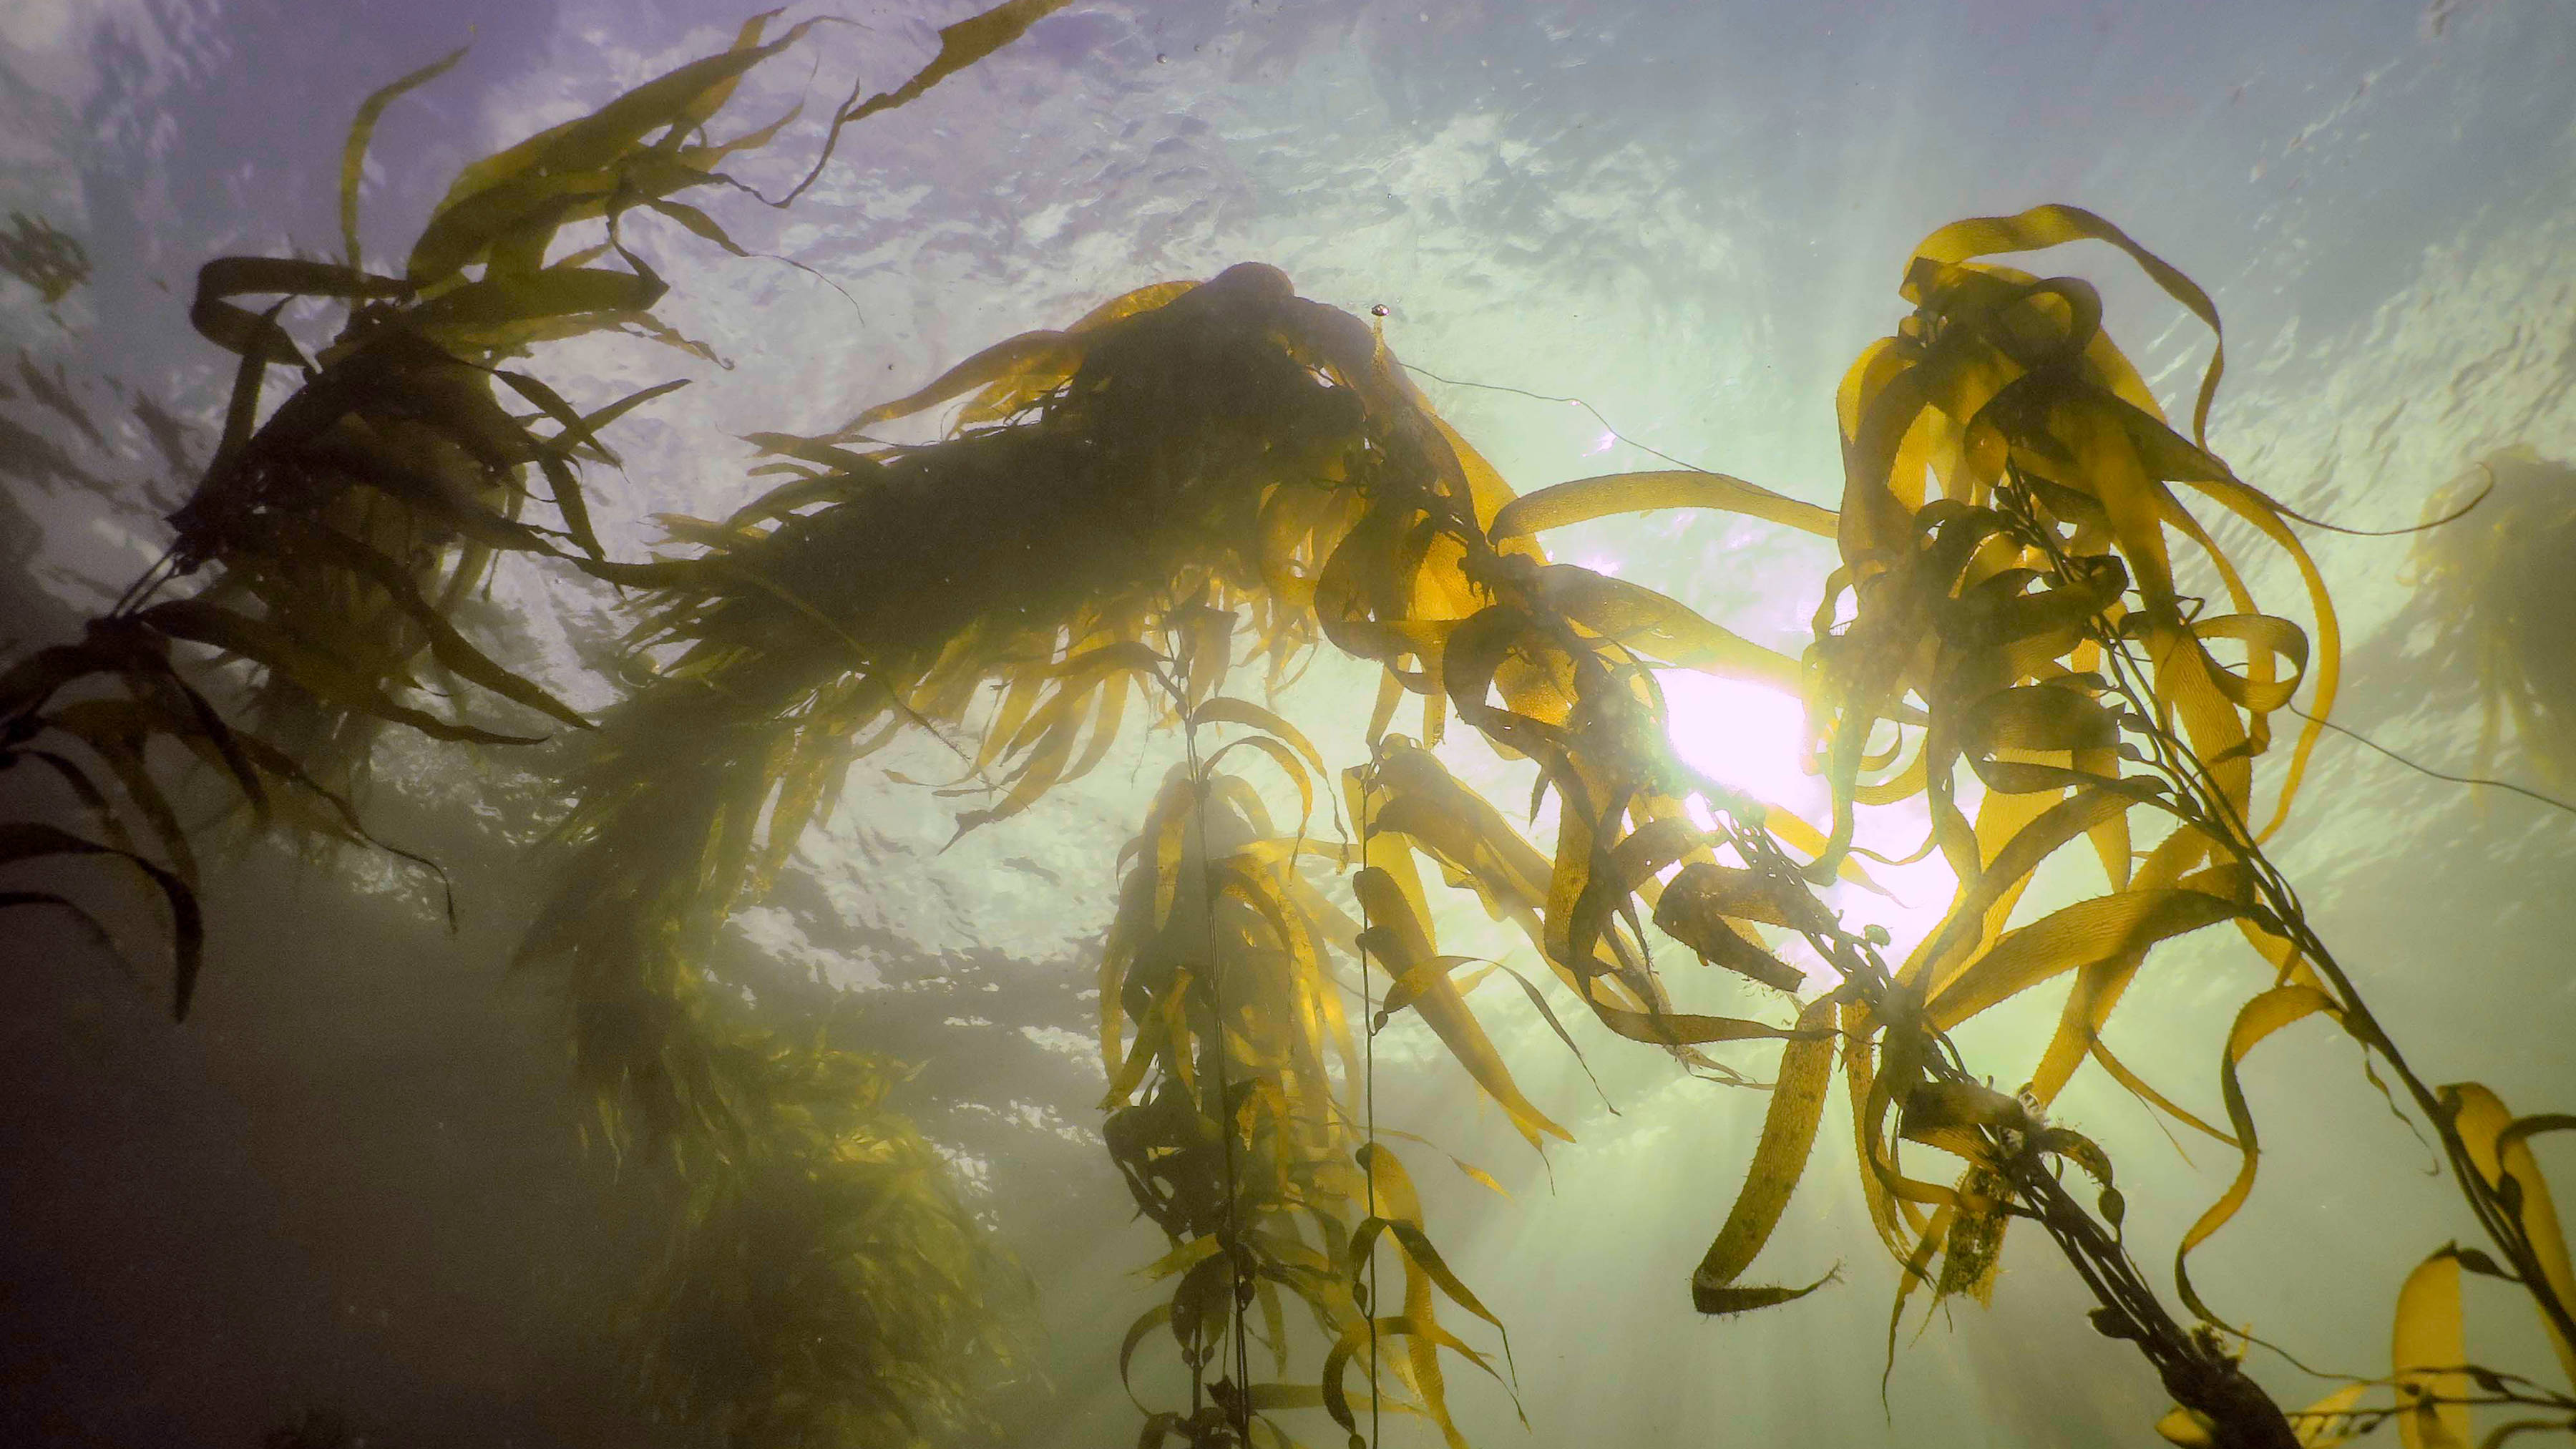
(341, 532)
(1194, 478)
(1170, 470)
(337, 536)
(1222, 1026)
(2012, 515)
(831, 1289)
(374, 501)
(2496, 583)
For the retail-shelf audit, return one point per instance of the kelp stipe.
(2027, 621)
(1117, 504)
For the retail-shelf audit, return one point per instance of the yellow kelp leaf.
(1788, 1136)
(1487, 493)
(1693, 913)
(2007, 870)
(587, 142)
(353, 155)
(1289, 764)
(1004, 360)
(2099, 987)
(2329, 1421)
(1860, 1088)
(2189, 1428)
(1663, 627)
(2501, 1148)
(2257, 1019)
(508, 206)
(2258, 509)
(1585, 499)
(1417, 1246)
(1393, 1201)
(2268, 639)
(2052, 225)
(2087, 931)
(555, 292)
(2037, 717)
(1398, 930)
(2426, 1341)
(257, 338)
(1225, 709)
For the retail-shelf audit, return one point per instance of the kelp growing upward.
(1116, 504)
(336, 537)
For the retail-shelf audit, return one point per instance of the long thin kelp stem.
(2203, 805)
(2191, 1366)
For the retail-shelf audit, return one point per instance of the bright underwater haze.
(1611, 237)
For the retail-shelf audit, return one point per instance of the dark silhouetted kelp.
(1115, 507)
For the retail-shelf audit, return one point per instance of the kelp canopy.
(1128, 517)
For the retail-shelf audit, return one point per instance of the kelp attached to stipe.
(1194, 482)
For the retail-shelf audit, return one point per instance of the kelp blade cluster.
(1196, 478)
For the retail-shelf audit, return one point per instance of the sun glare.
(1755, 739)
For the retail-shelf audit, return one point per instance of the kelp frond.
(2497, 579)
(1116, 504)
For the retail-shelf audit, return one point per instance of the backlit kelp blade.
(1123, 519)
(2013, 509)
(350, 524)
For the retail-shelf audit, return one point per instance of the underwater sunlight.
(821, 745)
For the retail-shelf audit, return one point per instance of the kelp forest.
(2038, 633)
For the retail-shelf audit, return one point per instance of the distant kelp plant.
(2501, 584)
(1196, 478)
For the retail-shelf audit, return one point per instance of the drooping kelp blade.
(1788, 1135)
(1194, 477)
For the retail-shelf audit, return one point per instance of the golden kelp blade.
(1788, 1135)
(2259, 1018)
(1585, 499)
(2426, 1346)
(2500, 1148)
(2051, 225)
